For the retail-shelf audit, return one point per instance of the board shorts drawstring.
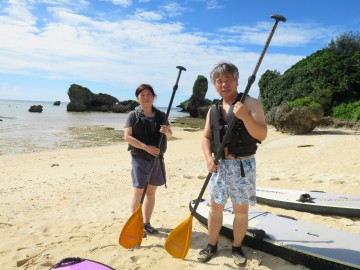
(242, 168)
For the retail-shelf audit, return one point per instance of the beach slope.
(74, 202)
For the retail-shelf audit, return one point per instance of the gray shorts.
(140, 172)
(228, 182)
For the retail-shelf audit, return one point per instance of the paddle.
(132, 233)
(178, 241)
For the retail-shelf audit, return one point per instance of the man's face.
(226, 85)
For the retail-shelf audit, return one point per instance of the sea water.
(20, 128)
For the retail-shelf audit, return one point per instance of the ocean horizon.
(23, 131)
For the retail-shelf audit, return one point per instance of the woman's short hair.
(142, 87)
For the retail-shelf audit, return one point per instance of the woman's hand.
(152, 150)
(166, 130)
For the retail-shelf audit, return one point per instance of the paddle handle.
(162, 135)
(251, 80)
(171, 102)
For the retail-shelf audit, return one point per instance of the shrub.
(208, 102)
(305, 102)
(350, 111)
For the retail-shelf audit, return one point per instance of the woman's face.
(145, 97)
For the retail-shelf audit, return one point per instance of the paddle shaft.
(162, 135)
(251, 80)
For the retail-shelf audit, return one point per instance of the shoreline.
(54, 128)
(81, 137)
(101, 135)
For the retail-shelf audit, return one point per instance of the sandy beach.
(74, 202)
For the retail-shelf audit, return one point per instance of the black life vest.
(144, 132)
(240, 142)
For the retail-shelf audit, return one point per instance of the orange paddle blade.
(132, 232)
(178, 242)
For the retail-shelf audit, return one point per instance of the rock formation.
(198, 97)
(294, 120)
(36, 108)
(124, 106)
(82, 99)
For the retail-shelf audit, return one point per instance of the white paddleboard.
(318, 202)
(311, 245)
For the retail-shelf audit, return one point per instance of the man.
(234, 176)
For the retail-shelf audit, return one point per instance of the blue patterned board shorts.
(228, 182)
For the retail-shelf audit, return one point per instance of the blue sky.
(112, 46)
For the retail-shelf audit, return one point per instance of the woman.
(143, 129)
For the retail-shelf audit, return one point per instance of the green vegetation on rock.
(329, 78)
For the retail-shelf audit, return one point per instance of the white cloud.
(18, 13)
(60, 2)
(213, 4)
(148, 15)
(123, 3)
(173, 9)
(289, 34)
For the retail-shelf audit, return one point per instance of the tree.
(347, 43)
(330, 77)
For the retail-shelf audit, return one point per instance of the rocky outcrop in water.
(36, 108)
(82, 99)
(124, 106)
(57, 103)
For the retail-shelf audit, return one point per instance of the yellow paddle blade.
(178, 242)
(132, 232)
